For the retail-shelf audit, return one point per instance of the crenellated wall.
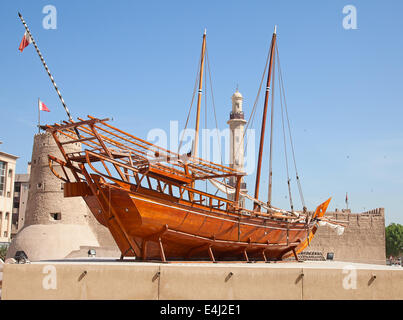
(363, 240)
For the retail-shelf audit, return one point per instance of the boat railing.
(98, 134)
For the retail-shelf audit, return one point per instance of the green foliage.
(394, 239)
(3, 252)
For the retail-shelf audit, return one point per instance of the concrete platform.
(110, 279)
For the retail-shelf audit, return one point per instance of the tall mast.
(271, 137)
(199, 96)
(262, 133)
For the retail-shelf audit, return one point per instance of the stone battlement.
(363, 240)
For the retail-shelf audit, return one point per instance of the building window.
(39, 185)
(7, 214)
(17, 187)
(2, 177)
(5, 234)
(56, 216)
(10, 173)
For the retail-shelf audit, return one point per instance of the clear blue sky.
(135, 61)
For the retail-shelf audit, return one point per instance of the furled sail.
(221, 186)
(338, 228)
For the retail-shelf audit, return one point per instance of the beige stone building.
(7, 175)
(21, 187)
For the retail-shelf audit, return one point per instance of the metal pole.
(47, 70)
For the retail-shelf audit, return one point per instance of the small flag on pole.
(42, 106)
(346, 200)
(26, 40)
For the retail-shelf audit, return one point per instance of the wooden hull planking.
(190, 232)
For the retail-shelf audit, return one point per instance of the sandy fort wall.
(363, 240)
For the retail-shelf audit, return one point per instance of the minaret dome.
(237, 102)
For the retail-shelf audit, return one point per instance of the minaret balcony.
(233, 184)
(237, 115)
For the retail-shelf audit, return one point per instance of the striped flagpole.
(47, 70)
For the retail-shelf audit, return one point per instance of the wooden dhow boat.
(148, 197)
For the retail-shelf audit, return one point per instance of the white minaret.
(236, 125)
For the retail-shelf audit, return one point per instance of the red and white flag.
(42, 106)
(26, 40)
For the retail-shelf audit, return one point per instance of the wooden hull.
(154, 226)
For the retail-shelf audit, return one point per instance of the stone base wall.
(156, 281)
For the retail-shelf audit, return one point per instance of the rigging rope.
(284, 139)
(253, 113)
(289, 132)
(213, 102)
(205, 115)
(214, 109)
(191, 106)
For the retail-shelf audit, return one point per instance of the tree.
(3, 252)
(394, 239)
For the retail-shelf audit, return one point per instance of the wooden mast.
(262, 133)
(271, 136)
(199, 96)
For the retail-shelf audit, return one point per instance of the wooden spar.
(271, 136)
(259, 163)
(199, 95)
(47, 70)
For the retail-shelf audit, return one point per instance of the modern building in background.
(7, 176)
(21, 187)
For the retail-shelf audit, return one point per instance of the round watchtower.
(54, 226)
